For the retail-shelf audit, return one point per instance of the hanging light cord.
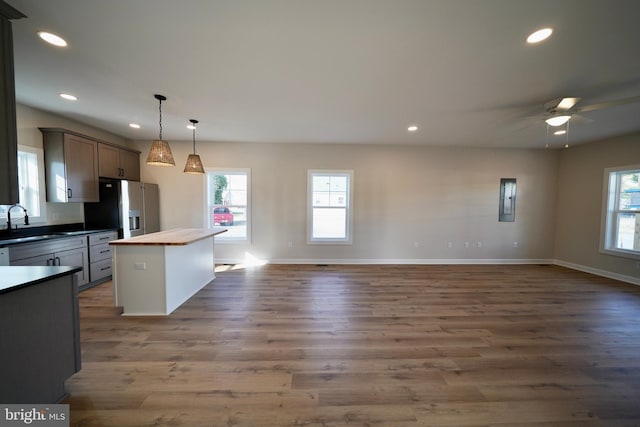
(194, 139)
(160, 109)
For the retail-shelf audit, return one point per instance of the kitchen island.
(155, 273)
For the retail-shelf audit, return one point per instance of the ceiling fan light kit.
(558, 120)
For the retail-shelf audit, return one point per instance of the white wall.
(409, 202)
(28, 121)
(578, 219)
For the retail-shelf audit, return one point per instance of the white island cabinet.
(155, 273)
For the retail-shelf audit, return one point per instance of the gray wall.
(403, 195)
(409, 202)
(578, 218)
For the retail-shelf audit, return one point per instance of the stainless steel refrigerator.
(131, 207)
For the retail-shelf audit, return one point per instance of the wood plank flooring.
(292, 345)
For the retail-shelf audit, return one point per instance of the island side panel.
(189, 268)
(38, 348)
(139, 279)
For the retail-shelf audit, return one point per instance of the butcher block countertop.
(175, 237)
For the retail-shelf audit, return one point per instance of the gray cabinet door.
(81, 157)
(46, 259)
(75, 258)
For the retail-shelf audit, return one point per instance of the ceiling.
(333, 71)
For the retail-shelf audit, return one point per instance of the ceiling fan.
(559, 111)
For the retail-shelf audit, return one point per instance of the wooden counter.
(155, 273)
(175, 237)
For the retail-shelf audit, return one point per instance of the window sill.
(621, 253)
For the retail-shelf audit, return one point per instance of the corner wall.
(578, 219)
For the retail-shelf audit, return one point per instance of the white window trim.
(34, 219)
(221, 238)
(349, 208)
(607, 227)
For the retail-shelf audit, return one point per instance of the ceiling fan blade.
(561, 104)
(607, 104)
(578, 118)
(568, 103)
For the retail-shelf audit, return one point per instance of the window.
(621, 225)
(329, 210)
(228, 202)
(30, 185)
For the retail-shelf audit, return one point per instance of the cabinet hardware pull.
(69, 193)
(57, 261)
(104, 238)
(105, 268)
(105, 251)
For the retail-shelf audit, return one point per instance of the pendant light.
(160, 152)
(194, 164)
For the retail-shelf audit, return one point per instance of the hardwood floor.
(292, 345)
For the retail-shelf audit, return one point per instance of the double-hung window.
(621, 212)
(30, 186)
(228, 197)
(329, 217)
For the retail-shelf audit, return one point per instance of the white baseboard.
(385, 261)
(598, 272)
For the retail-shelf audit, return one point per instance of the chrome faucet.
(26, 217)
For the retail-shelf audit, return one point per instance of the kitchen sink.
(27, 239)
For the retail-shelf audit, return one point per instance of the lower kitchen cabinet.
(69, 251)
(100, 266)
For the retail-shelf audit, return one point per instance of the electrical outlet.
(416, 244)
(466, 244)
(479, 244)
(140, 265)
(515, 244)
(450, 245)
(290, 244)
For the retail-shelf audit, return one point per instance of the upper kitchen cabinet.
(71, 166)
(8, 133)
(119, 163)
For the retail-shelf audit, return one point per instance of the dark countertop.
(12, 278)
(4, 242)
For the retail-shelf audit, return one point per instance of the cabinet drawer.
(100, 269)
(99, 252)
(99, 238)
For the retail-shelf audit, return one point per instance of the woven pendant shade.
(160, 154)
(193, 165)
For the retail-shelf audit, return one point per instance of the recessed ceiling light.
(52, 39)
(134, 125)
(412, 128)
(68, 97)
(560, 132)
(540, 35)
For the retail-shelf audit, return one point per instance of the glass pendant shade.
(160, 152)
(194, 164)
